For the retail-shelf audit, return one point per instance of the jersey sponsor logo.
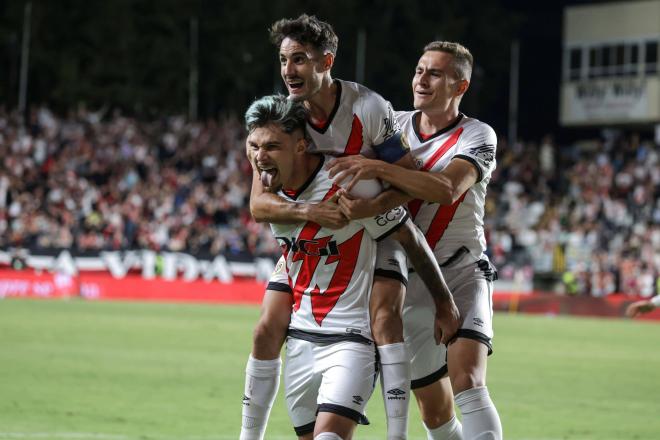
(485, 153)
(319, 247)
(390, 216)
(323, 299)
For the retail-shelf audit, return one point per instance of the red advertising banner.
(103, 286)
(133, 287)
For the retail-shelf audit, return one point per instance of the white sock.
(262, 379)
(451, 430)
(395, 380)
(480, 418)
(327, 436)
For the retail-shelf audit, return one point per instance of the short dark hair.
(463, 61)
(288, 114)
(305, 29)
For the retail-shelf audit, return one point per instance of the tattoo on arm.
(423, 260)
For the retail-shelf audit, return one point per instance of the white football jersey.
(362, 122)
(460, 225)
(330, 272)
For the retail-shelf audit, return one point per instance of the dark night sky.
(540, 68)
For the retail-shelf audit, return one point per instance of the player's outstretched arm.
(271, 208)
(444, 187)
(447, 316)
(640, 307)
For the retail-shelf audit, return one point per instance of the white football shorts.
(471, 284)
(337, 377)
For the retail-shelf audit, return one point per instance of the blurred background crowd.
(585, 214)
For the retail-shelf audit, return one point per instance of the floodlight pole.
(361, 53)
(25, 56)
(193, 80)
(514, 70)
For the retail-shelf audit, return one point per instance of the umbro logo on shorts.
(393, 262)
(246, 400)
(358, 400)
(478, 322)
(396, 394)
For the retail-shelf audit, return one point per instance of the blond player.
(455, 157)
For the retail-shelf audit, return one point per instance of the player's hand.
(639, 307)
(327, 213)
(447, 322)
(357, 208)
(359, 167)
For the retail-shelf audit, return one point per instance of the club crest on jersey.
(392, 215)
(317, 248)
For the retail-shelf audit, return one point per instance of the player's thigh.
(270, 331)
(428, 359)
(301, 385)
(349, 378)
(467, 355)
(473, 295)
(275, 306)
(435, 402)
(391, 261)
(390, 278)
(467, 361)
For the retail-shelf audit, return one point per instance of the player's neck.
(320, 105)
(430, 122)
(305, 167)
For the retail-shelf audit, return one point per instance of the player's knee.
(327, 436)
(467, 379)
(436, 405)
(436, 419)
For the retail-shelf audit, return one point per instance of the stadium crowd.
(589, 211)
(94, 180)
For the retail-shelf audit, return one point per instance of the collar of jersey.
(450, 127)
(309, 180)
(328, 121)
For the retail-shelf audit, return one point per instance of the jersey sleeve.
(478, 147)
(382, 225)
(382, 127)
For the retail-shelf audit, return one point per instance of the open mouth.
(267, 175)
(295, 84)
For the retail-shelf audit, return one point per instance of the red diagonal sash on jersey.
(309, 262)
(324, 302)
(445, 213)
(414, 205)
(354, 144)
(441, 220)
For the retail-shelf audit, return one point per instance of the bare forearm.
(423, 261)
(271, 208)
(390, 199)
(416, 184)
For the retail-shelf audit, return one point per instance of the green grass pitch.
(139, 371)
